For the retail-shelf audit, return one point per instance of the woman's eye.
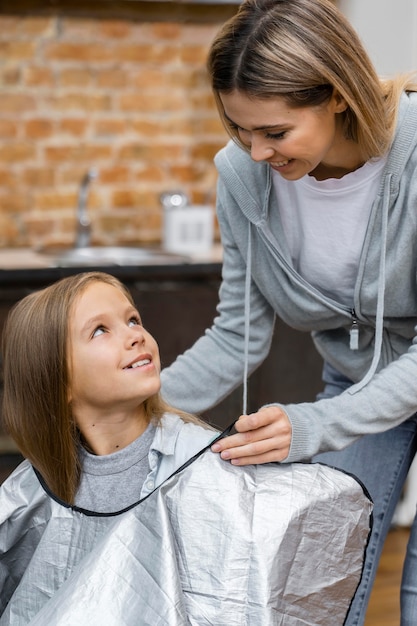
(237, 129)
(280, 135)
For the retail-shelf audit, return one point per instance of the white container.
(188, 229)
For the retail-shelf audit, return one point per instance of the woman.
(316, 203)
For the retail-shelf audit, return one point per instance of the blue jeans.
(381, 462)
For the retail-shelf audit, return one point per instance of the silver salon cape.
(215, 544)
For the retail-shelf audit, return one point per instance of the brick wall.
(126, 93)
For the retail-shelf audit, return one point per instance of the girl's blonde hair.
(304, 51)
(36, 410)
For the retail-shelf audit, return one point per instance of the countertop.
(18, 265)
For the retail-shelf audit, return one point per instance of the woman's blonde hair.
(36, 411)
(304, 51)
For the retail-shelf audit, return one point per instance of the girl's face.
(294, 141)
(114, 361)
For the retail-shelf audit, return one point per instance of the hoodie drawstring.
(247, 322)
(379, 320)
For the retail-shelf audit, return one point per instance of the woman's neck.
(323, 171)
(344, 157)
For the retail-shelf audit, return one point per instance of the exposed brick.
(195, 55)
(202, 101)
(38, 225)
(151, 173)
(16, 152)
(78, 52)
(167, 30)
(13, 203)
(69, 153)
(148, 219)
(126, 198)
(75, 77)
(83, 102)
(38, 76)
(8, 129)
(113, 175)
(133, 198)
(209, 126)
(8, 26)
(151, 153)
(145, 102)
(150, 128)
(48, 200)
(109, 127)
(28, 26)
(114, 78)
(130, 97)
(17, 50)
(142, 227)
(8, 231)
(187, 173)
(73, 126)
(10, 76)
(74, 28)
(151, 78)
(201, 34)
(113, 29)
(38, 26)
(72, 173)
(16, 103)
(206, 150)
(8, 178)
(38, 177)
(38, 128)
(150, 53)
(91, 29)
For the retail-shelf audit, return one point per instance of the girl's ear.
(339, 102)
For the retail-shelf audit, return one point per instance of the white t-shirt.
(325, 222)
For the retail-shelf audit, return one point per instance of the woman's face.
(114, 361)
(294, 141)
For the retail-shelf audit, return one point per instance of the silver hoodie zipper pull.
(354, 332)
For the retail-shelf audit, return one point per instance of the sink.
(107, 256)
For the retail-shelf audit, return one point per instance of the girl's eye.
(100, 330)
(134, 321)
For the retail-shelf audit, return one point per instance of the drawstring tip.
(354, 338)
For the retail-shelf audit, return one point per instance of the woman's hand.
(262, 437)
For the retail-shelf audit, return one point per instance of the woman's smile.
(293, 141)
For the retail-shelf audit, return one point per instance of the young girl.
(85, 535)
(81, 395)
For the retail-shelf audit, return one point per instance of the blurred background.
(120, 87)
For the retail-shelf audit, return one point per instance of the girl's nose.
(260, 149)
(135, 335)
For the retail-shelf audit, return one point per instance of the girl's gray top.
(114, 478)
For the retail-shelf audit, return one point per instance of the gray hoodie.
(259, 283)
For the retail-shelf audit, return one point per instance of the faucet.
(83, 235)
